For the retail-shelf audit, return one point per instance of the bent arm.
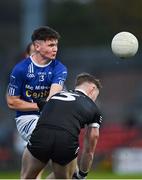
(55, 88)
(89, 146)
(15, 103)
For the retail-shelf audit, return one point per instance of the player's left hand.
(79, 175)
(41, 103)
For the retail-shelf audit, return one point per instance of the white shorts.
(26, 124)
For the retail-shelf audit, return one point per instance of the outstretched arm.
(89, 146)
(55, 88)
(87, 155)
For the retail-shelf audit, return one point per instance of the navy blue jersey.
(31, 81)
(70, 111)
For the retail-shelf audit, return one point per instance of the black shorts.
(58, 145)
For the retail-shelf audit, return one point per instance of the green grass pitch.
(92, 175)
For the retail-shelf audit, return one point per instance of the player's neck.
(40, 60)
(81, 90)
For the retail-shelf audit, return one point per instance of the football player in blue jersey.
(39, 76)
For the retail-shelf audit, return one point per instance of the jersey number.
(67, 96)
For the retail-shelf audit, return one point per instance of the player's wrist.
(82, 174)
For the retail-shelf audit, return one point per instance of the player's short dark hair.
(44, 33)
(86, 77)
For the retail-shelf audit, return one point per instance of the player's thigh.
(64, 171)
(30, 165)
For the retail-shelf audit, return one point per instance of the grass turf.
(92, 175)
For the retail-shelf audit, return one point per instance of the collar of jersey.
(39, 64)
(77, 89)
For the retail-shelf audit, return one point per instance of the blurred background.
(87, 28)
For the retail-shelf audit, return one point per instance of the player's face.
(47, 49)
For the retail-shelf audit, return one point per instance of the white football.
(124, 45)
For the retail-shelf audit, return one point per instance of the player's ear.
(93, 88)
(90, 90)
(37, 45)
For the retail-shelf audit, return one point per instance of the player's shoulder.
(98, 112)
(58, 64)
(93, 106)
(21, 65)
